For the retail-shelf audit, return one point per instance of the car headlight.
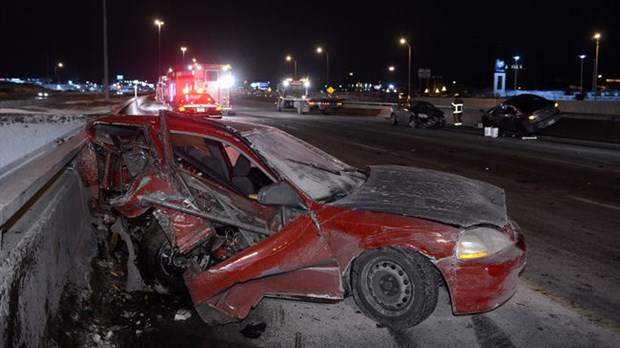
(480, 242)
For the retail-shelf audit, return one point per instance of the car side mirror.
(279, 193)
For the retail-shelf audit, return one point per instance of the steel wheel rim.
(390, 286)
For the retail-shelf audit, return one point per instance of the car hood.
(429, 194)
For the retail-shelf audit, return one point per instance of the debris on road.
(182, 314)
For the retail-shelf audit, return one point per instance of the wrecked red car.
(233, 212)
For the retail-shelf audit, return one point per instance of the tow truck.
(213, 79)
(294, 94)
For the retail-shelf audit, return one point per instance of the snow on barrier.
(46, 249)
(46, 240)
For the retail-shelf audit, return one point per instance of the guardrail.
(23, 180)
(20, 185)
(366, 105)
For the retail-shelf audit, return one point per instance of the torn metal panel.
(322, 282)
(297, 246)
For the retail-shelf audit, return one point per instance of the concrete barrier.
(44, 250)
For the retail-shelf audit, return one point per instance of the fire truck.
(214, 79)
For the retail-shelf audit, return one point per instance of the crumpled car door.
(291, 259)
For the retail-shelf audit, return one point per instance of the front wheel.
(395, 287)
(413, 122)
(393, 120)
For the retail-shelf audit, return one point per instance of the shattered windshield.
(319, 175)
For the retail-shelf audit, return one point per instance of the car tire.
(441, 123)
(522, 131)
(154, 263)
(393, 120)
(395, 287)
(486, 122)
(413, 122)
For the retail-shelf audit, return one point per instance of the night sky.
(457, 41)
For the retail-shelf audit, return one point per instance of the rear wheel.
(486, 122)
(395, 287)
(156, 262)
(440, 123)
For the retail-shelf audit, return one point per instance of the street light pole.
(319, 50)
(159, 23)
(183, 49)
(288, 59)
(106, 84)
(59, 65)
(597, 36)
(403, 41)
(581, 73)
(516, 68)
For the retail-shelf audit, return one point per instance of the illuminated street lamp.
(183, 49)
(597, 36)
(581, 73)
(516, 69)
(391, 68)
(320, 50)
(288, 59)
(404, 41)
(56, 67)
(159, 23)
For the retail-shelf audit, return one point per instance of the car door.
(498, 115)
(284, 253)
(510, 118)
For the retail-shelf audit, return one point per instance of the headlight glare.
(480, 242)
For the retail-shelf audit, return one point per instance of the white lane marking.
(595, 203)
(369, 147)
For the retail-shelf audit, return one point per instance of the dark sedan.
(524, 114)
(417, 114)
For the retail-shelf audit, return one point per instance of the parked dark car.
(197, 104)
(417, 114)
(233, 212)
(524, 114)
